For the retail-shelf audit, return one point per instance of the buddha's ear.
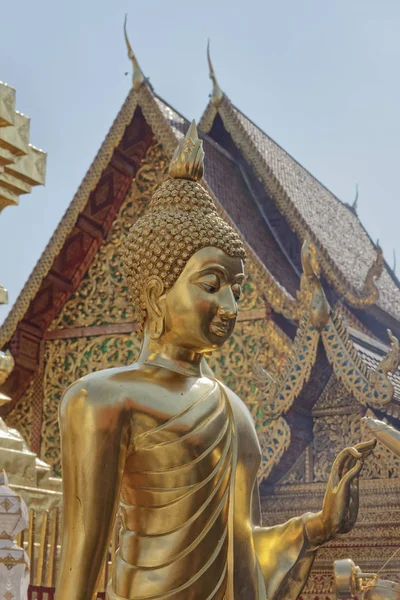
(154, 296)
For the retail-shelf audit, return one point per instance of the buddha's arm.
(94, 438)
(286, 552)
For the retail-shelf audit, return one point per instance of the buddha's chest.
(179, 439)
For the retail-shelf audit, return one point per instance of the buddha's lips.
(220, 326)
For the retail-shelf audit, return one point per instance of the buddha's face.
(200, 310)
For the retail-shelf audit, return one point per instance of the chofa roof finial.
(217, 93)
(355, 202)
(138, 77)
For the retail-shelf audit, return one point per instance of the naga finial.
(390, 362)
(138, 77)
(187, 161)
(217, 93)
(374, 272)
(319, 309)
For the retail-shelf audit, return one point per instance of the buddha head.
(184, 264)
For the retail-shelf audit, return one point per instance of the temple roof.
(348, 258)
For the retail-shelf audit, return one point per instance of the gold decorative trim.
(281, 393)
(10, 562)
(360, 299)
(274, 441)
(208, 116)
(390, 362)
(371, 388)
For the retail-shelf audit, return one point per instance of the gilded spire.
(217, 93)
(187, 161)
(138, 76)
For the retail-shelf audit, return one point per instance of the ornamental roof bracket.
(217, 93)
(390, 362)
(279, 394)
(319, 308)
(370, 387)
(370, 290)
(138, 77)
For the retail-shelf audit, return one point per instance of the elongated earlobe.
(154, 300)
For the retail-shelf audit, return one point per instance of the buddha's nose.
(225, 312)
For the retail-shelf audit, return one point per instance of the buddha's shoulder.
(241, 411)
(107, 387)
(131, 387)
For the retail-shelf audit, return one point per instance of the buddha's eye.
(211, 289)
(210, 283)
(237, 291)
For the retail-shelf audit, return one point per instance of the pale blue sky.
(321, 78)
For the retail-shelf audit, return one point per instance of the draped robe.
(186, 511)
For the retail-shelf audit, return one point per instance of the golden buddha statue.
(171, 445)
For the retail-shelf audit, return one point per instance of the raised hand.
(340, 507)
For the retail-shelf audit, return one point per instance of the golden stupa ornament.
(138, 77)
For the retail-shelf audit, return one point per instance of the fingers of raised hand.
(344, 461)
(365, 448)
(352, 473)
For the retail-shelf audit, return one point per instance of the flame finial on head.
(187, 161)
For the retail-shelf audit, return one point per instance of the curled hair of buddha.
(181, 219)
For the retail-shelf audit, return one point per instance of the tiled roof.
(336, 227)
